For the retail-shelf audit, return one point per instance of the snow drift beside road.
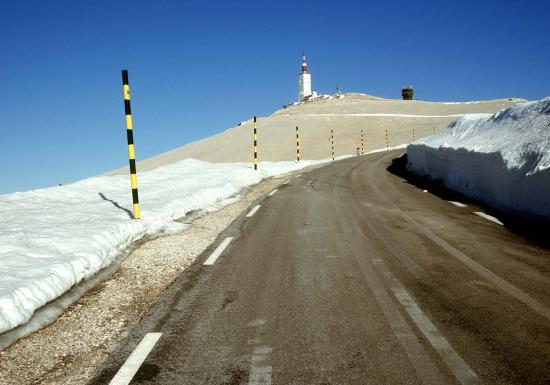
(502, 159)
(53, 238)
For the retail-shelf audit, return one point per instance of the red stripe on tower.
(304, 64)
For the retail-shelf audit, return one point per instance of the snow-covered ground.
(53, 238)
(502, 159)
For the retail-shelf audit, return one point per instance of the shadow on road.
(116, 205)
(532, 229)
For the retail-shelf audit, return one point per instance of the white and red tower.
(304, 81)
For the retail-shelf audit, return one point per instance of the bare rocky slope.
(346, 114)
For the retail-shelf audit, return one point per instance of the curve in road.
(351, 275)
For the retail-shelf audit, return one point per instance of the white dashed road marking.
(260, 370)
(488, 217)
(272, 192)
(458, 204)
(212, 258)
(132, 364)
(253, 211)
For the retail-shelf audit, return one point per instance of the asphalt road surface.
(348, 274)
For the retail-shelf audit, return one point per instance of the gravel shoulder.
(70, 350)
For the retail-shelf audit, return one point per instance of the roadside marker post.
(414, 136)
(434, 130)
(332, 142)
(131, 149)
(358, 152)
(387, 140)
(297, 145)
(255, 146)
(362, 144)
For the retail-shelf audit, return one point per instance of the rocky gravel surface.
(69, 350)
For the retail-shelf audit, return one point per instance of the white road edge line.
(286, 181)
(457, 204)
(272, 192)
(403, 331)
(481, 270)
(488, 217)
(216, 253)
(132, 364)
(463, 373)
(253, 211)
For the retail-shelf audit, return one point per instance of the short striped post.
(297, 144)
(255, 146)
(414, 136)
(130, 136)
(362, 144)
(434, 130)
(387, 140)
(332, 142)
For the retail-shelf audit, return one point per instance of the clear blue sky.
(199, 67)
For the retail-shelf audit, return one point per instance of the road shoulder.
(71, 349)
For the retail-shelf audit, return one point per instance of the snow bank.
(53, 238)
(501, 159)
(398, 147)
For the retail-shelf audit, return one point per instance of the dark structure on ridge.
(407, 93)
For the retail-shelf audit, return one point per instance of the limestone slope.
(347, 115)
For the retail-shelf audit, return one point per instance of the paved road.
(350, 275)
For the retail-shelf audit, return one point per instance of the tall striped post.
(130, 136)
(434, 130)
(362, 144)
(414, 136)
(332, 142)
(387, 140)
(297, 145)
(255, 146)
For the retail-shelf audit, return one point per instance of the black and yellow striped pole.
(434, 130)
(255, 146)
(414, 136)
(362, 144)
(332, 142)
(297, 145)
(130, 135)
(387, 140)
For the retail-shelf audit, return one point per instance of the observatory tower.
(304, 81)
